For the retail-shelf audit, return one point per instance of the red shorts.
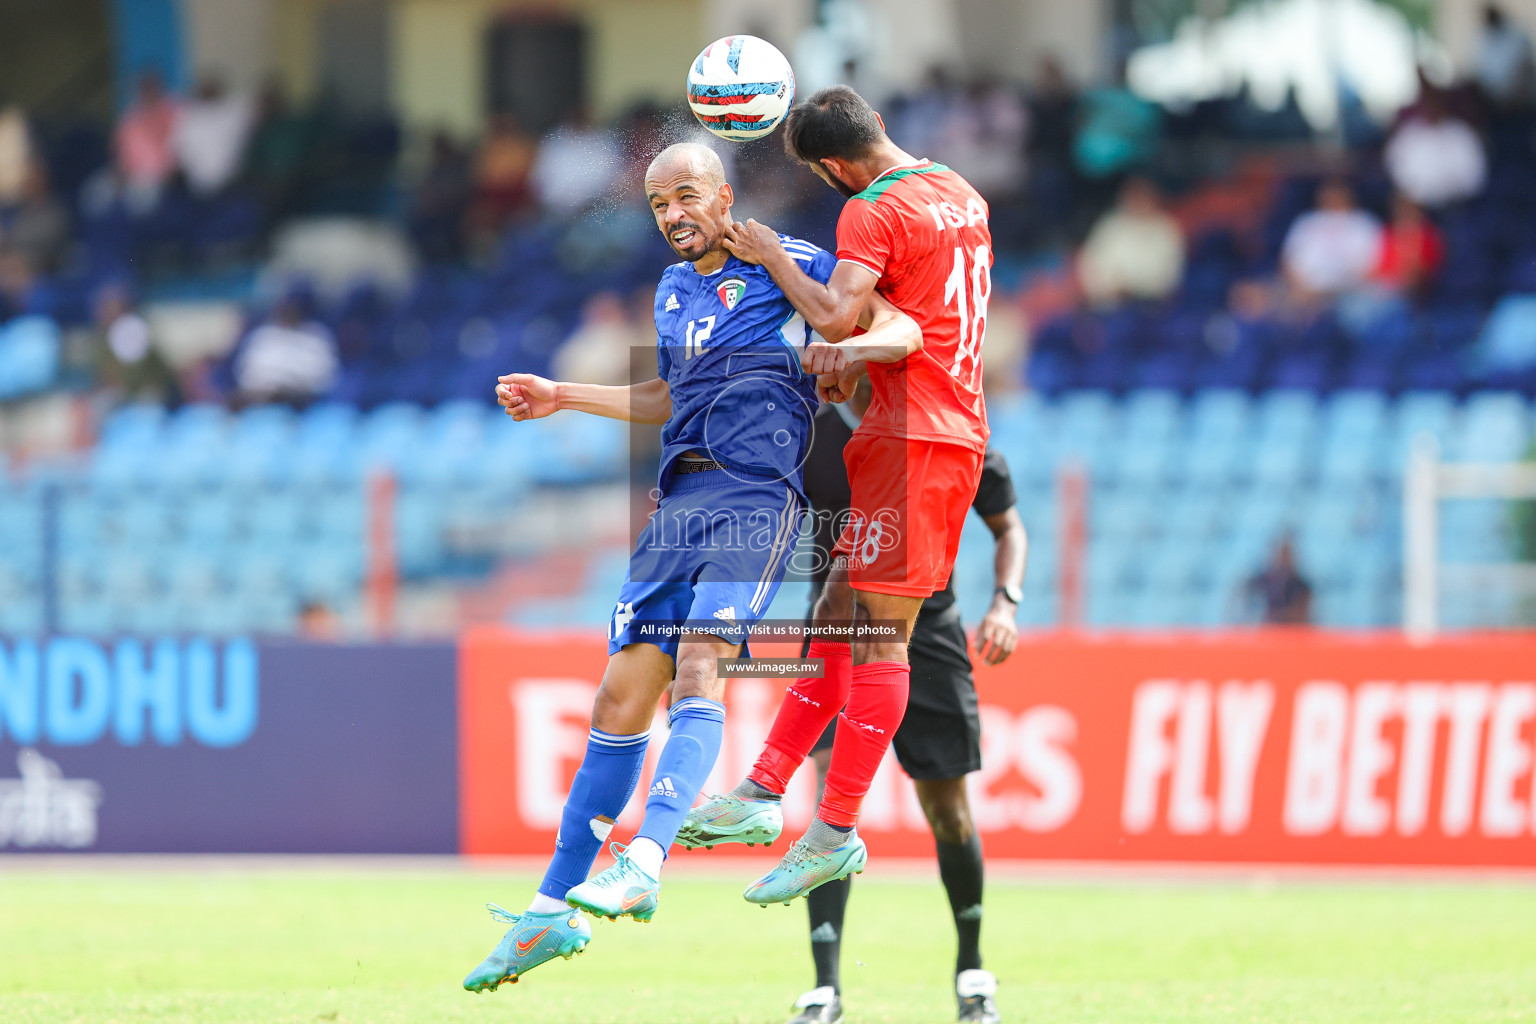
(910, 500)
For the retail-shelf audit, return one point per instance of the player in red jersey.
(916, 232)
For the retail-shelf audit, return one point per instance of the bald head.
(683, 158)
(691, 201)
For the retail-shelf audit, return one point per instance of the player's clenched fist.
(823, 357)
(526, 396)
(839, 386)
(751, 242)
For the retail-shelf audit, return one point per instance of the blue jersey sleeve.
(663, 359)
(812, 259)
(821, 266)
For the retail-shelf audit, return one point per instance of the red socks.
(808, 706)
(877, 701)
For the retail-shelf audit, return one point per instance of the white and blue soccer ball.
(741, 87)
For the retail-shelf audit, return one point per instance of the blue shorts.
(709, 561)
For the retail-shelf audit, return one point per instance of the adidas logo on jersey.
(727, 614)
(672, 303)
(664, 788)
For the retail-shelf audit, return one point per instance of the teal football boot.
(802, 870)
(532, 940)
(731, 819)
(622, 890)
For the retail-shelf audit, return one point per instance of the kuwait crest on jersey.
(730, 291)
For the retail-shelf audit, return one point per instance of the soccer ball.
(740, 87)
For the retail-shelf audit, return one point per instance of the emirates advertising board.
(1270, 747)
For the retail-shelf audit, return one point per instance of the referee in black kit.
(939, 741)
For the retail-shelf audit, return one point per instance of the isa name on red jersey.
(922, 229)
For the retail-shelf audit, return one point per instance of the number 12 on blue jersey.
(695, 340)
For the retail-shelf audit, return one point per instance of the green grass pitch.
(354, 945)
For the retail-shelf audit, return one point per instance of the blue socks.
(607, 779)
(686, 761)
(604, 783)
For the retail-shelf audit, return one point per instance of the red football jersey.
(923, 229)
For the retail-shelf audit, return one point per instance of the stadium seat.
(1494, 427)
(1419, 413)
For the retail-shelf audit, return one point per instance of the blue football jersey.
(729, 349)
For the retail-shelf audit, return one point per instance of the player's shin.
(809, 705)
(876, 703)
(603, 785)
(685, 762)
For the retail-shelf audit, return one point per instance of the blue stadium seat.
(208, 519)
(1282, 460)
(389, 437)
(94, 616)
(1219, 413)
(133, 426)
(337, 514)
(1494, 427)
(1153, 413)
(1431, 413)
(29, 355)
(275, 517)
(259, 447)
(328, 573)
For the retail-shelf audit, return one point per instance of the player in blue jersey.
(735, 399)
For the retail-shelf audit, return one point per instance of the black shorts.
(940, 737)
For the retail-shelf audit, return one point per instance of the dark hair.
(835, 122)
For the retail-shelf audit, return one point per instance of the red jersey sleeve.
(865, 236)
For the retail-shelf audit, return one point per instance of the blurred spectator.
(1052, 112)
(603, 347)
(1504, 59)
(1410, 256)
(35, 229)
(576, 165)
(1433, 157)
(502, 171)
(279, 148)
(145, 155)
(128, 365)
(287, 359)
(1411, 250)
(919, 118)
(1135, 251)
(211, 136)
(1334, 248)
(318, 622)
(982, 136)
(1120, 131)
(442, 198)
(1282, 593)
(15, 153)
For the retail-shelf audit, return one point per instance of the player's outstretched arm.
(832, 309)
(527, 396)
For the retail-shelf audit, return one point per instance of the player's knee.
(866, 651)
(950, 822)
(697, 675)
(623, 709)
(833, 608)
